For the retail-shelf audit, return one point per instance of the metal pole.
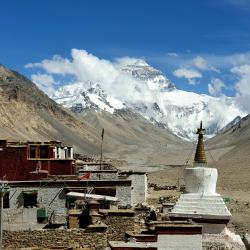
(101, 158)
(101, 148)
(1, 217)
(1, 214)
(3, 190)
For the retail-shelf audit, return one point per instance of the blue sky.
(196, 43)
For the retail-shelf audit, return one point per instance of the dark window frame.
(30, 199)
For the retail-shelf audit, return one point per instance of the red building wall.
(61, 167)
(15, 165)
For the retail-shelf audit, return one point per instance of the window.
(106, 191)
(30, 198)
(6, 200)
(69, 153)
(44, 152)
(33, 152)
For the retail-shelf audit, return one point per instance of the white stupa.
(200, 202)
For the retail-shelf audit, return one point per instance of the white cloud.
(173, 54)
(216, 86)
(242, 86)
(87, 68)
(44, 81)
(244, 4)
(209, 62)
(200, 63)
(57, 65)
(229, 60)
(190, 74)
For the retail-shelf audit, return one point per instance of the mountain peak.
(155, 79)
(139, 63)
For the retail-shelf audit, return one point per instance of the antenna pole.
(3, 190)
(102, 136)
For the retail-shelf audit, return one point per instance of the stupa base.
(225, 240)
(208, 210)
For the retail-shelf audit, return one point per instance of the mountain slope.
(29, 114)
(234, 162)
(136, 140)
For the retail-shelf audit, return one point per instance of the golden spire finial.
(200, 156)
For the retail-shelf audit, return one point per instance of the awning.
(91, 196)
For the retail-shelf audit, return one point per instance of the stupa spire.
(200, 156)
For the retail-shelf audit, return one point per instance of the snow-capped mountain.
(157, 100)
(154, 78)
(77, 98)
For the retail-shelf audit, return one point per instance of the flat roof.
(98, 171)
(50, 159)
(94, 163)
(132, 172)
(71, 183)
(133, 245)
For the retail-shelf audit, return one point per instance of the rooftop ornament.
(200, 156)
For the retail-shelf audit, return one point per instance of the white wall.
(212, 228)
(139, 188)
(179, 242)
(200, 180)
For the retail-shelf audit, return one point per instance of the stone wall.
(100, 174)
(52, 198)
(74, 238)
(118, 225)
(123, 193)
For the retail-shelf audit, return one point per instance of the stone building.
(25, 198)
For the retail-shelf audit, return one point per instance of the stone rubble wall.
(118, 226)
(102, 176)
(123, 194)
(42, 239)
(75, 238)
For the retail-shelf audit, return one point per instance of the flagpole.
(3, 190)
(102, 136)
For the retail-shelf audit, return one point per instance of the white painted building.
(139, 186)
